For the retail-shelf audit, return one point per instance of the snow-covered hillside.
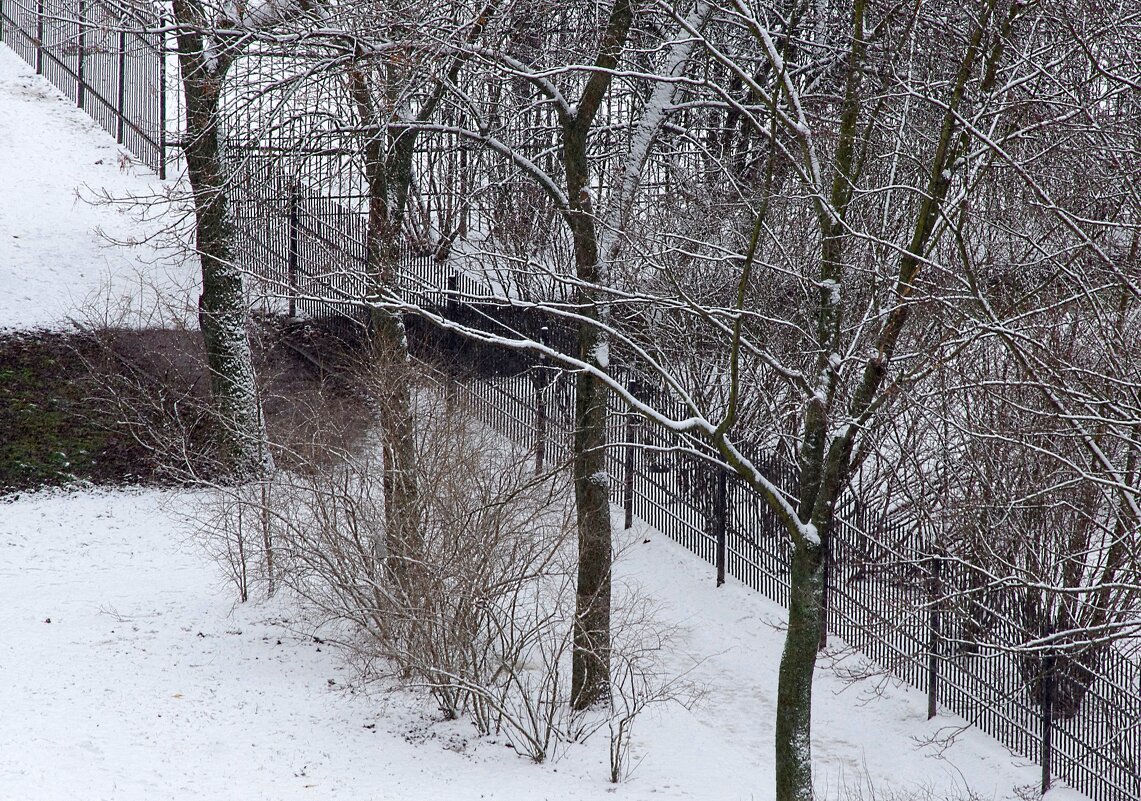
(56, 251)
(128, 672)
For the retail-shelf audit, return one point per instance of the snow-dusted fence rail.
(935, 621)
(110, 64)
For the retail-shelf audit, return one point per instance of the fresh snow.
(56, 251)
(149, 682)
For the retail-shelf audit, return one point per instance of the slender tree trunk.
(590, 661)
(389, 339)
(797, 665)
(590, 658)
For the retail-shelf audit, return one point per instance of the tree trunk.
(590, 663)
(388, 177)
(402, 503)
(797, 665)
(393, 385)
(222, 304)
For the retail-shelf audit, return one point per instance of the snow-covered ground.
(56, 253)
(127, 671)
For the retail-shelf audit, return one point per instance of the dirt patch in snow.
(119, 407)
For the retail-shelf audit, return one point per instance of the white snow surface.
(149, 682)
(55, 263)
(128, 672)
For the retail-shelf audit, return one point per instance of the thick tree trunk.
(797, 665)
(402, 503)
(393, 372)
(590, 662)
(222, 304)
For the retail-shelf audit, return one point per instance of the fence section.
(109, 64)
(937, 623)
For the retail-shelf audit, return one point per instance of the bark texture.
(222, 304)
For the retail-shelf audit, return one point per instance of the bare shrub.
(478, 610)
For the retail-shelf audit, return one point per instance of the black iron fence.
(110, 64)
(938, 623)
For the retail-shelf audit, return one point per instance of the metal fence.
(111, 66)
(937, 623)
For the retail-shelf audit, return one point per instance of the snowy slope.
(149, 683)
(53, 258)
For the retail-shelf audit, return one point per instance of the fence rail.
(110, 66)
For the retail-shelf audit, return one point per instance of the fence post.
(40, 37)
(451, 302)
(826, 589)
(293, 257)
(632, 428)
(934, 624)
(162, 143)
(720, 520)
(80, 79)
(1047, 692)
(121, 85)
(540, 382)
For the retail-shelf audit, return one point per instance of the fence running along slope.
(936, 622)
(108, 64)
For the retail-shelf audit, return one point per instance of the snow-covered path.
(53, 260)
(148, 683)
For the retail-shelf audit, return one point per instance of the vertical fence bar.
(293, 256)
(121, 85)
(1047, 698)
(826, 589)
(628, 470)
(540, 375)
(39, 37)
(934, 624)
(162, 123)
(80, 78)
(540, 419)
(720, 520)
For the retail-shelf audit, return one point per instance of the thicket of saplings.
(474, 602)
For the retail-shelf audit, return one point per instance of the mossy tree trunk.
(204, 62)
(590, 659)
